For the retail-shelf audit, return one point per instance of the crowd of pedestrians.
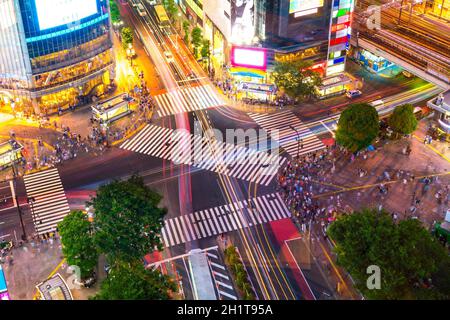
(306, 185)
(300, 180)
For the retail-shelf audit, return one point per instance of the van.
(377, 103)
(141, 10)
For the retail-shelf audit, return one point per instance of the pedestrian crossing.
(50, 204)
(182, 147)
(278, 125)
(220, 275)
(222, 219)
(187, 99)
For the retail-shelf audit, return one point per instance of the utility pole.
(19, 210)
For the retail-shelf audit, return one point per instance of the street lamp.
(130, 53)
(31, 202)
(298, 139)
(16, 198)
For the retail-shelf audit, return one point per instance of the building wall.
(60, 57)
(219, 12)
(14, 64)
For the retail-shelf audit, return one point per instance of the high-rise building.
(277, 30)
(53, 53)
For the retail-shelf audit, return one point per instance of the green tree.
(205, 52)
(127, 219)
(186, 27)
(127, 37)
(133, 282)
(296, 78)
(405, 252)
(357, 127)
(78, 246)
(114, 11)
(196, 36)
(170, 7)
(403, 120)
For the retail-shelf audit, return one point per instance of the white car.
(353, 93)
(152, 2)
(168, 55)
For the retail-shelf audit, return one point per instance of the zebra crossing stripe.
(224, 218)
(287, 138)
(50, 203)
(209, 154)
(187, 99)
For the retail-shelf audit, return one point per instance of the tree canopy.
(133, 282)
(296, 78)
(170, 7)
(114, 11)
(127, 219)
(196, 38)
(78, 246)
(358, 126)
(127, 37)
(186, 26)
(405, 252)
(403, 120)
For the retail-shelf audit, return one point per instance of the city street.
(238, 192)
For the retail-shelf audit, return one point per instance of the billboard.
(302, 5)
(54, 13)
(242, 21)
(255, 58)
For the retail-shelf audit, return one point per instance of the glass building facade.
(53, 53)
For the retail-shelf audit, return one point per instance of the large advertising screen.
(302, 5)
(242, 21)
(54, 13)
(249, 57)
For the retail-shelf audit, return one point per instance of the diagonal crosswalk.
(50, 204)
(278, 125)
(222, 219)
(187, 99)
(182, 147)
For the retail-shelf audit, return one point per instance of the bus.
(112, 109)
(200, 273)
(162, 16)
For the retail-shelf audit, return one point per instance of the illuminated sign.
(4, 295)
(242, 21)
(305, 13)
(54, 13)
(249, 57)
(334, 69)
(303, 5)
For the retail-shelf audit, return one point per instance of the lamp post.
(31, 202)
(16, 199)
(298, 140)
(130, 53)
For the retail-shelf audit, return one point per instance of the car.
(377, 103)
(407, 74)
(152, 2)
(169, 56)
(353, 93)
